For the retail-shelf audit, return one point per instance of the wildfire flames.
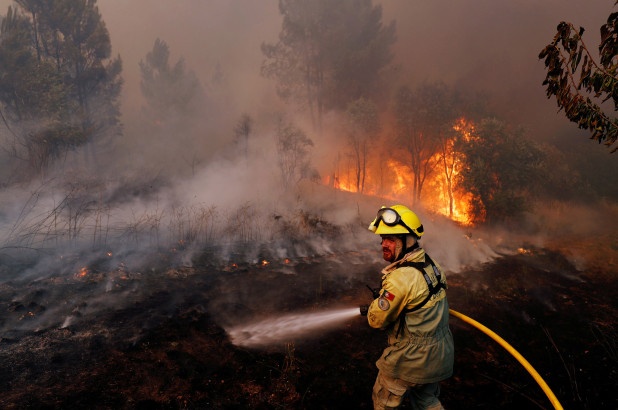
(82, 272)
(262, 263)
(394, 180)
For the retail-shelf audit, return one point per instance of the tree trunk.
(35, 28)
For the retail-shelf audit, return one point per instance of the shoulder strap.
(420, 266)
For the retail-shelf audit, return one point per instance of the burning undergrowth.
(144, 294)
(65, 265)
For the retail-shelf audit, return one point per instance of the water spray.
(274, 330)
(292, 326)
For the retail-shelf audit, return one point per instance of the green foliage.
(36, 102)
(500, 168)
(58, 86)
(573, 77)
(561, 172)
(72, 35)
(583, 172)
(330, 52)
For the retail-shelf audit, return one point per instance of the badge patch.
(383, 304)
(388, 295)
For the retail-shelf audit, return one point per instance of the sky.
(487, 46)
(492, 47)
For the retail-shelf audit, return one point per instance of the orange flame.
(83, 272)
(465, 127)
(400, 174)
(439, 193)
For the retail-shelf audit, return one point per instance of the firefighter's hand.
(375, 292)
(364, 309)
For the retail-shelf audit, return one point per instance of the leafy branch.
(571, 79)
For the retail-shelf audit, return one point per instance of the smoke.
(165, 194)
(215, 38)
(492, 48)
(484, 47)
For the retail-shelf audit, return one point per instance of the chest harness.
(420, 266)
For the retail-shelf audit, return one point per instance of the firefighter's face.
(389, 249)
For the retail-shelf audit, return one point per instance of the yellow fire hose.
(515, 354)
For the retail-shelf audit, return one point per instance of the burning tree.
(424, 121)
(451, 157)
(363, 128)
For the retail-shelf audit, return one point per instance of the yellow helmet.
(396, 220)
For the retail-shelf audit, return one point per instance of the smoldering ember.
(185, 192)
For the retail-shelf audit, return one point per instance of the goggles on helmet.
(390, 217)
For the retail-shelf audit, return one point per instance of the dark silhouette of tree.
(292, 153)
(242, 130)
(177, 107)
(57, 73)
(329, 53)
(73, 35)
(171, 92)
(363, 127)
(576, 80)
(36, 104)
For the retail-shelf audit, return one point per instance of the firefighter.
(411, 306)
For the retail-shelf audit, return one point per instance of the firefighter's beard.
(391, 250)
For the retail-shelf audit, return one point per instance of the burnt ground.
(165, 346)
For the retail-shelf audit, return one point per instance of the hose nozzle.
(364, 309)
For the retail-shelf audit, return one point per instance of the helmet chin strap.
(405, 247)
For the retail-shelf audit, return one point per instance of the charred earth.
(162, 342)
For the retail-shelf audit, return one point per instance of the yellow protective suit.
(423, 352)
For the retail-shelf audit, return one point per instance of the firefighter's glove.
(364, 309)
(375, 292)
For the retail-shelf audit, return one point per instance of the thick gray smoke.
(183, 188)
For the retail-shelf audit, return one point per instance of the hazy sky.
(487, 45)
(491, 46)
